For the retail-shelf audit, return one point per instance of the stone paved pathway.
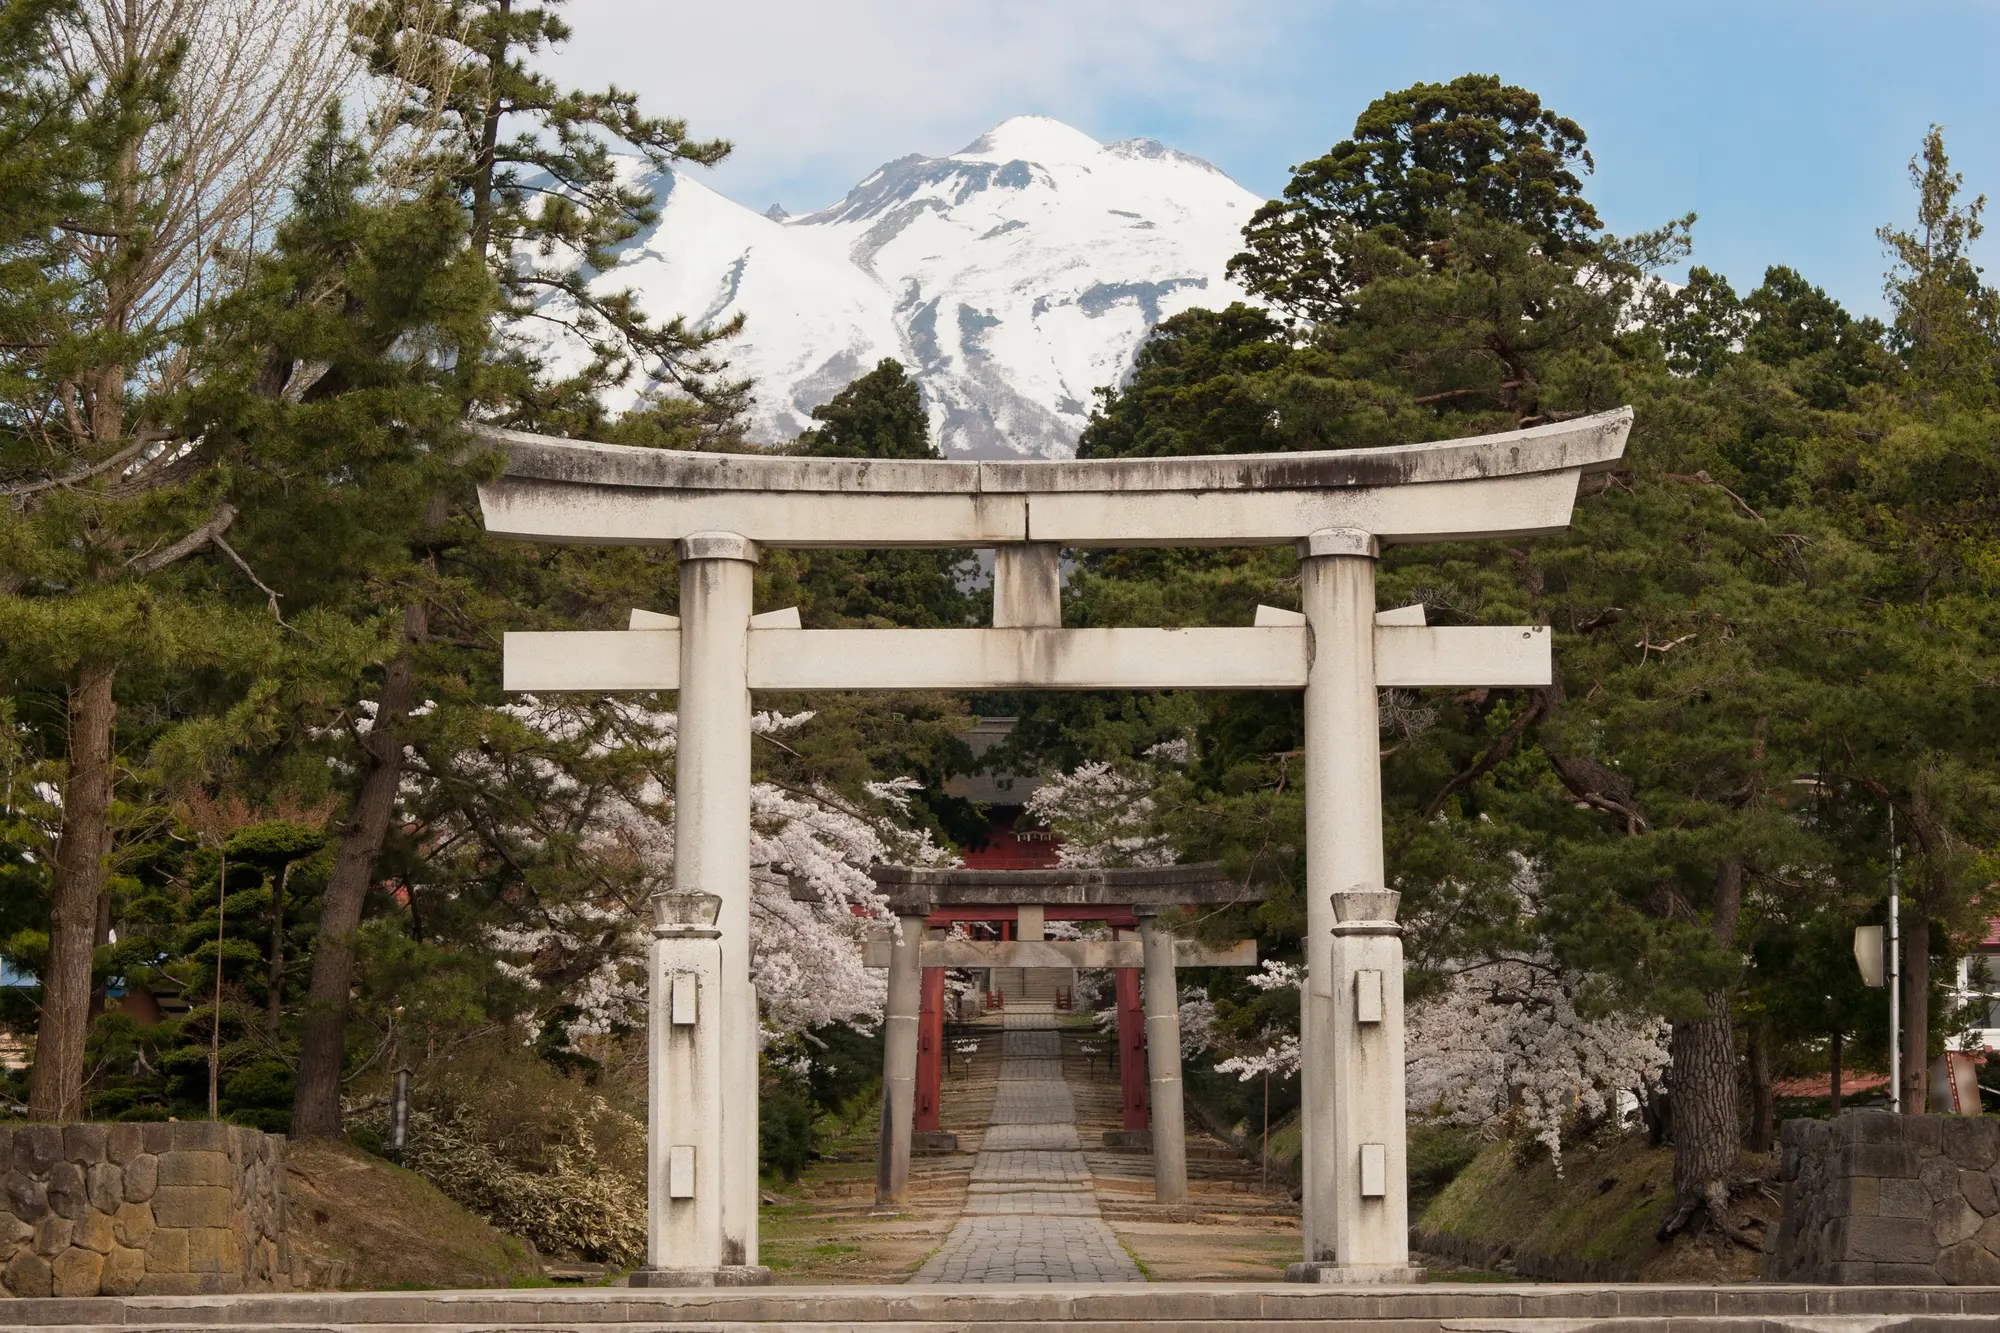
(1031, 1214)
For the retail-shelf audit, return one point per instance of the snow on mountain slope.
(1013, 278)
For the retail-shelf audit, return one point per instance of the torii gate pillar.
(712, 856)
(1356, 1195)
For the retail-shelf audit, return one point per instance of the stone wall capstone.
(181, 1208)
(1873, 1197)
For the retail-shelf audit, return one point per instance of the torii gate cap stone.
(919, 889)
(1511, 484)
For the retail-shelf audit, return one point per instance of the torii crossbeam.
(1340, 508)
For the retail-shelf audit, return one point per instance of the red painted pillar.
(1131, 1048)
(930, 1049)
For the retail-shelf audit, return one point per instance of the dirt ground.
(826, 1228)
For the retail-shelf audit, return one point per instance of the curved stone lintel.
(1591, 443)
(1492, 486)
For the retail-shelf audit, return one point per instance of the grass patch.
(1600, 1213)
(360, 1223)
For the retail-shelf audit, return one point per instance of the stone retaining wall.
(1878, 1198)
(185, 1208)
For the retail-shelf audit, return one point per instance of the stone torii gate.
(1128, 900)
(1338, 508)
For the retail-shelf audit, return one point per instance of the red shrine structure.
(1008, 912)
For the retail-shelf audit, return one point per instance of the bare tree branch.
(270, 595)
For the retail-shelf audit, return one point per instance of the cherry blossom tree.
(810, 850)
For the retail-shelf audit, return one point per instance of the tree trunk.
(1705, 1127)
(1763, 1106)
(82, 865)
(1916, 1012)
(323, 1052)
(1702, 1065)
(1834, 1047)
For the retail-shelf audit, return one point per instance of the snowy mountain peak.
(1032, 139)
(1012, 278)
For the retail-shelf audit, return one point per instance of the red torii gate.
(1021, 903)
(1131, 1019)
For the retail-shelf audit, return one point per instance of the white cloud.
(817, 95)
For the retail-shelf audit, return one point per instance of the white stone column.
(899, 1062)
(1371, 1173)
(1343, 827)
(684, 1178)
(1350, 1076)
(1163, 1059)
(712, 837)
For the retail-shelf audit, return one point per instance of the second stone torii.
(924, 899)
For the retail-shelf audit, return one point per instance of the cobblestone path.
(1030, 1215)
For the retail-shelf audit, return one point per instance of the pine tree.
(1417, 157)
(544, 200)
(106, 501)
(1947, 317)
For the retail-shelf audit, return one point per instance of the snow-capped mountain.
(1012, 278)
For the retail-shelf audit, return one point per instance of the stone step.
(1116, 1308)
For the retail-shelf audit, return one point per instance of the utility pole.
(1895, 960)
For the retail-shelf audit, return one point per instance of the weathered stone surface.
(1905, 1198)
(142, 1175)
(168, 1252)
(13, 1231)
(84, 1143)
(75, 1272)
(124, 1270)
(94, 1231)
(1891, 1161)
(1969, 1264)
(196, 1168)
(1953, 1221)
(1968, 1140)
(1890, 1240)
(66, 1190)
(191, 1206)
(201, 1136)
(1977, 1189)
(104, 1185)
(1940, 1178)
(28, 1274)
(124, 1142)
(53, 1236)
(1877, 1198)
(133, 1224)
(25, 1197)
(214, 1250)
(171, 1284)
(81, 1205)
(37, 1148)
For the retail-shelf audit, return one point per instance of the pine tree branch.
(119, 459)
(151, 564)
(1702, 478)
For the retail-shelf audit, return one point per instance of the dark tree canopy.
(880, 415)
(1190, 392)
(1417, 157)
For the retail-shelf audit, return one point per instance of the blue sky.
(1787, 126)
